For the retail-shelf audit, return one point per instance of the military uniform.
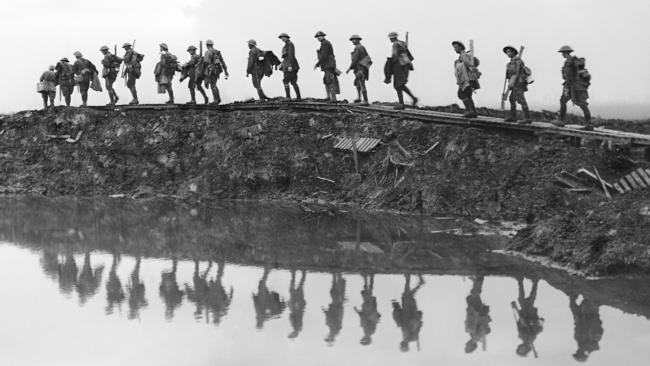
(165, 70)
(194, 71)
(289, 67)
(84, 71)
(466, 79)
(255, 67)
(517, 85)
(576, 82)
(400, 66)
(111, 64)
(327, 64)
(213, 66)
(359, 65)
(48, 78)
(132, 70)
(65, 78)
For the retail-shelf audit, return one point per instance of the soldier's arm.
(223, 64)
(252, 57)
(356, 54)
(291, 55)
(106, 61)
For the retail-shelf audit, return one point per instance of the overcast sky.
(612, 36)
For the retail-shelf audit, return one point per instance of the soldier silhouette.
(368, 315)
(588, 328)
(169, 291)
(218, 300)
(334, 313)
(67, 273)
(199, 293)
(477, 321)
(114, 291)
(136, 291)
(297, 303)
(529, 324)
(268, 304)
(407, 316)
(89, 280)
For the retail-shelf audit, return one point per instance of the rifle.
(407, 39)
(471, 51)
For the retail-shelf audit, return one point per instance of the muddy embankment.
(284, 155)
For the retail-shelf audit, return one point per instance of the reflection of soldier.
(89, 280)
(114, 291)
(136, 291)
(199, 293)
(368, 315)
(268, 304)
(169, 291)
(407, 316)
(296, 303)
(218, 300)
(50, 263)
(334, 313)
(529, 324)
(477, 322)
(67, 273)
(588, 327)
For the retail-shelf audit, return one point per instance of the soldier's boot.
(560, 120)
(52, 101)
(192, 97)
(512, 115)
(400, 100)
(470, 109)
(110, 96)
(44, 101)
(115, 97)
(332, 95)
(215, 95)
(67, 100)
(261, 94)
(297, 90)
(358, 100)
(134, 93)
(287, 91)
(84, 99)
(527, 118)
(407, 91)
(171, 95)
(365, 97)
(588, 125)
(205, 96)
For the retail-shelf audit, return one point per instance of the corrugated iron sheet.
(364, 144)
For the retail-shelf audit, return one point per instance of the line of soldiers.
(207, 69)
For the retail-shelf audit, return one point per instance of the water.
(160, 283)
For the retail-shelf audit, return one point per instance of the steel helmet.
(209, 42)
(190, 48)
(511, 48)
(565, 49)
(252, 42)
(459, 43)
(126, 45)
(103, 48)
(65, 59)
(164, 46)
(51, 68)
(283, 35)
(77, 54)
(320, 34)
(393, 35)
(355, 36)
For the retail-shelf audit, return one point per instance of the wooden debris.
(586, 174)
(632, 182)
(618, 188)
(638, 180)
(580, 190)
(645, 176)
(563, 182)
(431, 148)
(76, 139)
(602, 183)
(327, 136)
(364, 144)
(326, 180)
(355, 155)
(625, 186)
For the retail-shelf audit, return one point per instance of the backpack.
(526, 74)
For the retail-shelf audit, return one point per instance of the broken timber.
(363, 144)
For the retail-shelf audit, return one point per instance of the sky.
(610, 35)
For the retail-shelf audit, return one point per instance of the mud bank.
(288, 155)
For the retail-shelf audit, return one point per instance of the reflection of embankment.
(284, 237)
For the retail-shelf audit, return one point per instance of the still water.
(163, 283)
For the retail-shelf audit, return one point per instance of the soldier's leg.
(83, 87)
(521, 98)
(44, 96)
(52, 95)
(215, 91)
(67, 94)
(512, 115)
(170, 91)
(200, 89)
(364, 91)
(130, 83)
(296, 89)
(564, 99)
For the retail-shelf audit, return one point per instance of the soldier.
(399, 65)
(289, 66)
(576, 83)
(465, 78)
(65, 77)
(194, 71)
(132, 70)
(84, 71)
(517, 85)
(213, 66)
(360, 65)
(48, 78)
(327, 64)
(255, 67)
(588, 327)
(165, 70)
(111, 64)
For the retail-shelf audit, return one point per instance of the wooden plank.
(618, 188)
(638, 180)
(586, 174)
(562, 182)
(644, 176)
(602, 183)
(632, 182)
(625, 186)
(648, 171)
